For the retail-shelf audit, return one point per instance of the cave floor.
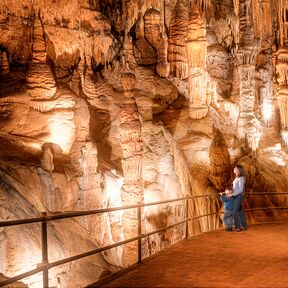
(257, 257)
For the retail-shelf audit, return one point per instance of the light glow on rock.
(267, 111)
(62, 130)
(284, 134)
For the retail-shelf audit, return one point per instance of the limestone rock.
(109, 103)
(220, 167)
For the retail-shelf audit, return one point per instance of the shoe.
(246, 228)
(238, 230)
(228, 229)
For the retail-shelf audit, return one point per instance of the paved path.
(254, 258)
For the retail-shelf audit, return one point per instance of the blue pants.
(239, 217)
(228, 218)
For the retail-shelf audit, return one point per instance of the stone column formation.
(249, 127)
(282, 70)
(196, 54)
(40, 80)
(282, 93)
(132, 148)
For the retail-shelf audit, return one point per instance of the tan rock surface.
(75, 137)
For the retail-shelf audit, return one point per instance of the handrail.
(73, 214)
(45, 265)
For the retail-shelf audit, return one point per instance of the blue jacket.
(228, 202)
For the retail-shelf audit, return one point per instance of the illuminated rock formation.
(248, 125)
(131, 144)
(40, 80)
(163, 66)
(282, 91)
(140, 86)
(177, 51)
(196, 55)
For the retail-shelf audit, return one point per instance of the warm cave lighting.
(284, 134)
(267, 112)
(62, 131)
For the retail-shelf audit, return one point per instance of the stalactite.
(196, 55)
(248, 125)
(177, 54)
(236, 6)
(132, 149)
(163, 66)
(40, 80)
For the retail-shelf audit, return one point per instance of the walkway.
(254, 258)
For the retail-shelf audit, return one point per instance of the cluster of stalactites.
(282, 68)
(282, 6)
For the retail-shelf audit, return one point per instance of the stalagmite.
(47, 158)
(40, 80)
(196, 55)
(177, 53)
(131, 144)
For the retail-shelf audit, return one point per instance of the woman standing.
(239, 217)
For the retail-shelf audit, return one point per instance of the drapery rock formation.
(111, 103)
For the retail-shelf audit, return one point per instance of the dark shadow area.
(100, 123)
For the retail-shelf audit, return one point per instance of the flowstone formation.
(113, 103)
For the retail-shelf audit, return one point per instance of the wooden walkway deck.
(257, 257)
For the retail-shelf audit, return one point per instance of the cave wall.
(110, 103)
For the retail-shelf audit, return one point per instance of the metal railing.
(44, 219)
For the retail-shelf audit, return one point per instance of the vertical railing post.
(44, 240)
(186, 216)
(207, 217)
(139, 234)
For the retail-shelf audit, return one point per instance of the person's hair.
(240, 168)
